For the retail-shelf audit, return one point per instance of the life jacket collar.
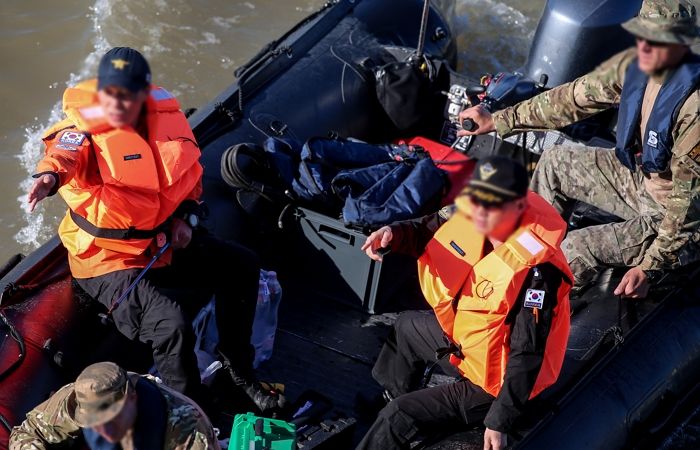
(657, 143)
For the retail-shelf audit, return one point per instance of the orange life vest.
(142, 182)
(472, 293)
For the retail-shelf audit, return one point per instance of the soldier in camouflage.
(115, 409)
(660, 203)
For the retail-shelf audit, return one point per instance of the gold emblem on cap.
(486, 171)
(119, 64)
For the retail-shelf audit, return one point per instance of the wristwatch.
(192, 220)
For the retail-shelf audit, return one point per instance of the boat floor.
(330, 347)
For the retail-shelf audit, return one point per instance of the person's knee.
(407, 322)
(171, 331)
(541, 181)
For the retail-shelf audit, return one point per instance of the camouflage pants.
(596, 177)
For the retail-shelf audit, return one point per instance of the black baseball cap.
(496, 180)
(124, 67)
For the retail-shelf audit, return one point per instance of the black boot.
(267, 401)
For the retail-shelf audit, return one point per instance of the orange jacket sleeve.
(66, 151)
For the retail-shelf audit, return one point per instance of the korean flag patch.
(534, 298)
(72, 138)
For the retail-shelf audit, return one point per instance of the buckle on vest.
(452, 349)
(129, 232)
(638, 159)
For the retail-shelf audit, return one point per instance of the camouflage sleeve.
(188, 427)
(681, 223)
(46, 425)
(194, 433)
(585, 96)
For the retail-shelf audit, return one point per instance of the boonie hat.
(668, 21)
(100, 393)
(496, 180)
(123, 67)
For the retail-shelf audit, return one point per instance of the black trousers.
(158, 311)
(399, 369)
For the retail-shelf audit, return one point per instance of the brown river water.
(193, 47)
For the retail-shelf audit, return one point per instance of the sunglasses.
(486, 205)
(652, 43)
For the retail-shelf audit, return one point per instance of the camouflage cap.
(669, 21)
(100, 393)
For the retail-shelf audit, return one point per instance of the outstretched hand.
(481, 117)
(39, 190)
(377, 240)
(634, 284)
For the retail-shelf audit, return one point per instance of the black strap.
(114, 233)
(440, 354)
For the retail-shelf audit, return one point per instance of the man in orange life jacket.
(492, 270)
(127, 164)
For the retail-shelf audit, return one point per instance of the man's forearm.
(411, 236)
(568, 103)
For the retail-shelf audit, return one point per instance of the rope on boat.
(5, 423)
(17, 336)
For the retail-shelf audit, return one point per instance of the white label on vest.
(72, 138)
(529, 243)
(534, 298)
(653, 140)
(92, 112)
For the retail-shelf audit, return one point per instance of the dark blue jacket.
(658, 140)
(373, 184)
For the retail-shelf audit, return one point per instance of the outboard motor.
(574, 36)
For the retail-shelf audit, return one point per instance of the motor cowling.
(574, 36)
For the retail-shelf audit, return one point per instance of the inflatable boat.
(631, 371)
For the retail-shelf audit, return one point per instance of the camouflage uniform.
(661, 211)
(50, 423)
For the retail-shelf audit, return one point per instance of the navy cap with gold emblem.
(496, 180)
(123, 67)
